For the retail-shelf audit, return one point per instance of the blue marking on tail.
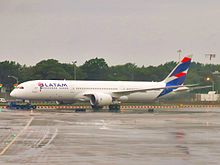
(181, 68)
(178, 81)
(177, 76)
(165, 91)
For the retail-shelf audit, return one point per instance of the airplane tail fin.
(178, 75)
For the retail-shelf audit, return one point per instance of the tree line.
(98, 69)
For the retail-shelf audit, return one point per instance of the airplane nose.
(13, 93)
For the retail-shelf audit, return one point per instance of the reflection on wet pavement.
(110, 138)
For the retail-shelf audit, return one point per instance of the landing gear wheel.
(114, 108)
(96, 108)
(151, 110)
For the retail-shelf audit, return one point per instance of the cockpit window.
(19, 87)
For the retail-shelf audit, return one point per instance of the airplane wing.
(127, 92)
(191, 88)
(199, 87)
(178, 88)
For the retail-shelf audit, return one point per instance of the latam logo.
(52, 85)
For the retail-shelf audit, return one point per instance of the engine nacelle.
(123, 98)
(100, 99)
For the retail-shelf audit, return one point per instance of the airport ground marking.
(12, 142)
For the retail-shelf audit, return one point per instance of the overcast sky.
(144, 32)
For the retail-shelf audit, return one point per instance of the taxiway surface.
(44, 138)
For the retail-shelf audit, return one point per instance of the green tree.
(50, 69)
(98, 69)
(123, 72)
(95, 69)
(9, 68)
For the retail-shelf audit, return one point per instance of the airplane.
(103, 93)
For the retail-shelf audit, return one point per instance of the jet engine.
(100, 99)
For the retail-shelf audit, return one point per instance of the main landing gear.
(96, 108)
(151, 110)
(114, 108)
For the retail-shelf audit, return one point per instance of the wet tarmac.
(43, 138)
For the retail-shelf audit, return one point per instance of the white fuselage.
(70, 90)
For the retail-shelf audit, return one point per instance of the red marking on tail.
(186, 59)
(180, 74)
